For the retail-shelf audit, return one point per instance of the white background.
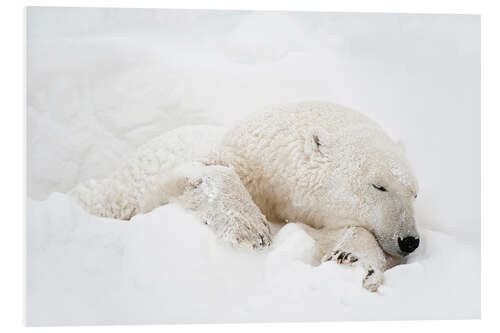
(488, 71)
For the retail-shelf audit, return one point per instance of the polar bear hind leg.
(121, 195)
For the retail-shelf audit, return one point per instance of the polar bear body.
(321, 164)
(311, 162)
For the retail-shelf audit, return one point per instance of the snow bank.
(166, 267)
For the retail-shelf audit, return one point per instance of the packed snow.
(103, 81)
(166, 267)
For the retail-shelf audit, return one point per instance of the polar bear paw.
(221, 201)
(341, 257)
(373, 279)
(255, 235)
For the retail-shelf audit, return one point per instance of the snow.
(166, 267)
(103, 81)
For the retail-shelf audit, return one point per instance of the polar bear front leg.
(358, 246)
(219, 199)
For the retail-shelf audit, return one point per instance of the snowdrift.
(166, 267)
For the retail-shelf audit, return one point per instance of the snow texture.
(101, 82)
(167, 267)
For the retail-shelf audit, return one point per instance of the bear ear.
(315, 140)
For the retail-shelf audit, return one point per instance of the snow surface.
(166, 267)
(103, 81)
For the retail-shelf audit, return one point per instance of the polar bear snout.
(408, 244)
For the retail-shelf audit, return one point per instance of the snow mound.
(166, 267)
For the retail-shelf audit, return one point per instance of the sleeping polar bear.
(323, 165)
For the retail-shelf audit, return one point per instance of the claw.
(341, 257)
(372, 280)
(261, 239)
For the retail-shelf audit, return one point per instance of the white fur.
(122, 194)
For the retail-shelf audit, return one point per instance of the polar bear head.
(386, 201)
(327, 166)
(367, 180)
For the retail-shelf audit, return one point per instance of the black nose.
(408, 244)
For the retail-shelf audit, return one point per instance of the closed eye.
(380, 188)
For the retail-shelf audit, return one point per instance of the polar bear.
(324, 165)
